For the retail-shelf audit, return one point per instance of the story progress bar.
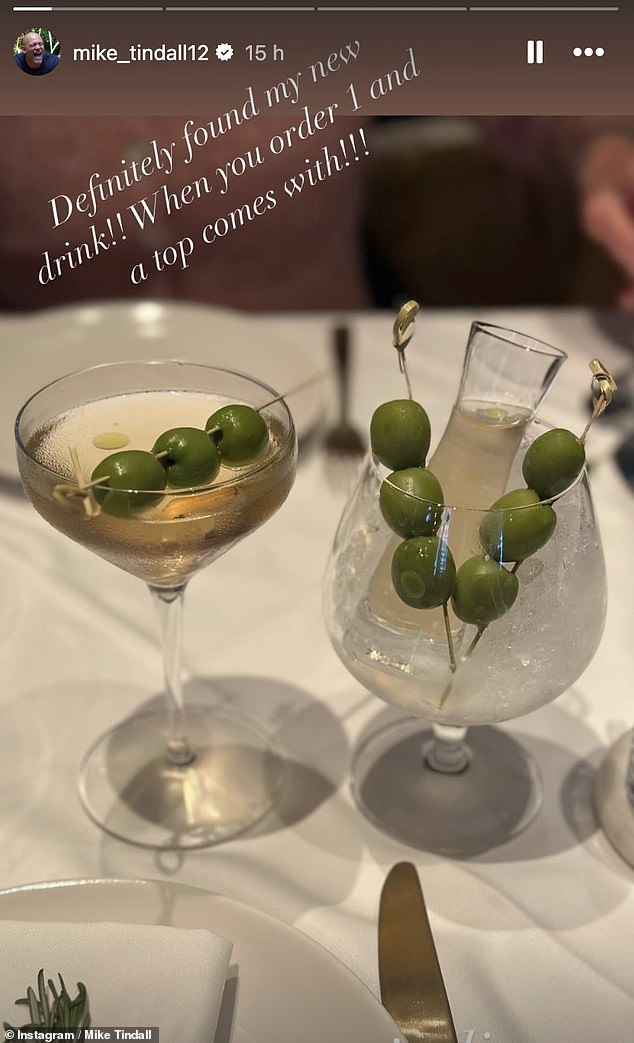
(32, 10)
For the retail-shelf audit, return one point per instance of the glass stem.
(169, 602)
(447, 751)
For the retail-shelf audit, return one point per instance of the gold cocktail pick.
(314, 379)
(80, 496)
(402, 333)
(603, 388)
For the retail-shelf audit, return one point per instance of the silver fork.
(344, 444)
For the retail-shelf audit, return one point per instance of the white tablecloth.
(535, 937)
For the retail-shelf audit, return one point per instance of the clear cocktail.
(147, 465)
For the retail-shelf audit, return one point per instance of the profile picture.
(36, 51)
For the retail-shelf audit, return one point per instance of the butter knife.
(412, 987)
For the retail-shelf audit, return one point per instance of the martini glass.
(179, 776)
(445, 788)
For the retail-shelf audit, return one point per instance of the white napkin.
(136, 975)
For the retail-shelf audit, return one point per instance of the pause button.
(534, 52)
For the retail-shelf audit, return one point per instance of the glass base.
(130, 789)
(613, 808)
(491, 800)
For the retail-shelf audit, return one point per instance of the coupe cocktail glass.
(183, 775)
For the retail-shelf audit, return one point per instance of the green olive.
(423, 572)
(411, 502)
(240, 433)
(133, 478)
(191, 457)
(400, 434)
(484, 591)
(516, 526)
(552, 462)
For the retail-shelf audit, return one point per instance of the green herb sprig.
(57, 1011)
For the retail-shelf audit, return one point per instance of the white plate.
(37, 349)
(281, 986)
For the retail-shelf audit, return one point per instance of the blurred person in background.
(496, 211)
(605, 169)
(503, 210)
